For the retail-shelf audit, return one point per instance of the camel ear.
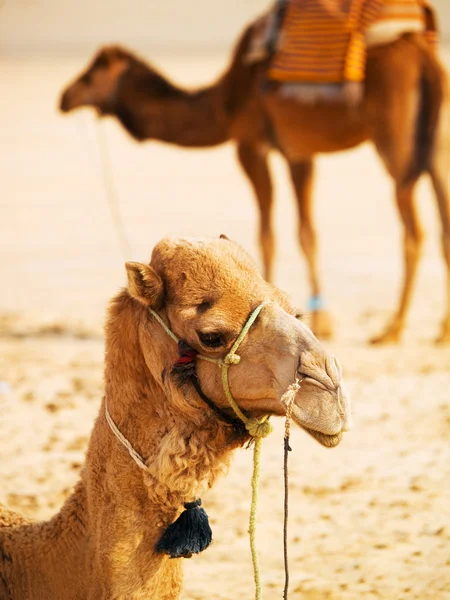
(145, 284)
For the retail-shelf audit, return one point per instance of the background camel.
(102, 543)
(400, 113)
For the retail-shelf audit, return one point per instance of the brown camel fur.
(101, 546)
(404, 93)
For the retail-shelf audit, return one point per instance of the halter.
(257, 428)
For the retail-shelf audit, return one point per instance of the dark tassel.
(185, 366)
(189, 534)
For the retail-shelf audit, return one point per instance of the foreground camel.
(101, 546)
(400, 113)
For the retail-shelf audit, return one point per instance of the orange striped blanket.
(324, 41)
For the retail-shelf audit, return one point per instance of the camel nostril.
(334, 370)
(321, 367)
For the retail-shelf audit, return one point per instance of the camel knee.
(266, 231)
(413, 244)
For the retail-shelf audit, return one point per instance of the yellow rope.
(241, 336)
(258, 429)
(169, 332)
(252, 521)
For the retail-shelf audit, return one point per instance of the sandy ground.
(369, 519)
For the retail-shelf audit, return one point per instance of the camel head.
(205, 290)
(98, 83)
(112, 70)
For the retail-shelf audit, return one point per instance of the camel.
(399, 114)
(101, 545)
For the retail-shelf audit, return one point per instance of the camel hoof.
(322, 324)
(390, 336)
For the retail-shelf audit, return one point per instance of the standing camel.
(101, 545)
(400, 113)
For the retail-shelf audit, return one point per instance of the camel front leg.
(253, 160)
(302, 174)
(413, 237)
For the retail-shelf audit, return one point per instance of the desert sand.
(369, 519)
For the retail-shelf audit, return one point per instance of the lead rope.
(111, 193)
(287, 399)
(287, 449)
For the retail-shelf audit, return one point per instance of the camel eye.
(211, 339)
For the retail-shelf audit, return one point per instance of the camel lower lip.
(329, 441)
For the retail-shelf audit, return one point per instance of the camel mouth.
(329, 441)
(321, 411)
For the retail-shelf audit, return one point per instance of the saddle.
(320, 45)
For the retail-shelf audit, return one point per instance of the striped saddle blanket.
(325, 41)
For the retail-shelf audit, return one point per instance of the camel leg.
(254, 162)
(302, 178)
(394, 111)
(439, 180)
(413, 237)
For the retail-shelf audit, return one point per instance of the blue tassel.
(189, 534)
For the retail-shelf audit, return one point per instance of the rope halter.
(257, 428)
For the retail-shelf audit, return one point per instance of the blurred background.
(48, 25)
(370, 519)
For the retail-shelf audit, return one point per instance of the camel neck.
(192, 119)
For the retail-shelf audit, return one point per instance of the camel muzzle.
(322, 405)
(73, 97)
(64, 103)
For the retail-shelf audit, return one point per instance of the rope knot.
(232, 359)
(258, 429)
(289, 395)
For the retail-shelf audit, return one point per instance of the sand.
(369, 519)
